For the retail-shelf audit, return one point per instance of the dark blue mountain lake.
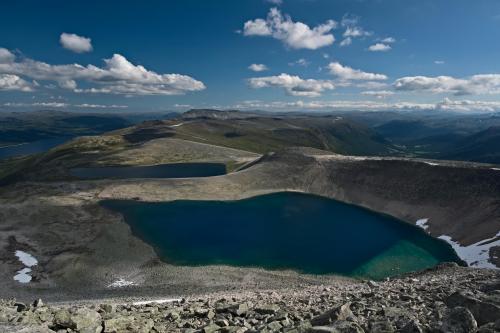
(34, 147)
(174, 170)
(285, 230)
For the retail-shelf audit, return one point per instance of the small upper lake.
(31, 147)
(174, 170)
(303, 232)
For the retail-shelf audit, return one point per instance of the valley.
(86, 251)
(250, 166)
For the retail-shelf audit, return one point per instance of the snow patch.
(177, 125)
(120, 283)
(23, 275)
(27, 260)
(422, 223)
(158, 301)
(497, 169)
(430, 163)
(475, 255)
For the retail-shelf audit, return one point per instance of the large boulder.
(7, 313)
(81, 319)
(62, 319)
(121, 324)
(342, 312)
(266, 309)
(458, 320)
(211, 328)
(28, 318)
(239, 309)
(484, 312)
(87, 321)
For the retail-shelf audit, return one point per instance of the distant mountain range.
(471, 138)
(483, 146)
(436, 135)
(20, 127)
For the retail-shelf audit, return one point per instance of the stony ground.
(446, 299)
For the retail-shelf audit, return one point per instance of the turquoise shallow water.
(286, 230)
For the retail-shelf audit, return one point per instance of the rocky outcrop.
(449, 299)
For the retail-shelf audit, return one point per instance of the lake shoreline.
(81, 246)
(321, 232)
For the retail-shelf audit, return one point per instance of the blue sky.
(311, 55)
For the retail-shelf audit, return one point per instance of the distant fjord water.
(286, 230)
(29, 148)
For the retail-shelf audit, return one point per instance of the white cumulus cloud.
(380, 94)
(372, 85)
(448, 105)
(352, 29)
(296, 35)
(68, 84)
(356, 32)
(257, 27)
(100, 106)
(438, 84)
(118, 76)
(464, 106)
(293, 85)
(480, 84)
(36, 104)
(258, 67)
(340, 105)
(75, 43)
(468, 106)
(379, 47)
(14, 82)
(63, 105)
(388, 40)
(348, 73)
(346, 42)
(300, 62)
(6, 56)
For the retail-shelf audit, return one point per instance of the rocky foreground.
(446, 299)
